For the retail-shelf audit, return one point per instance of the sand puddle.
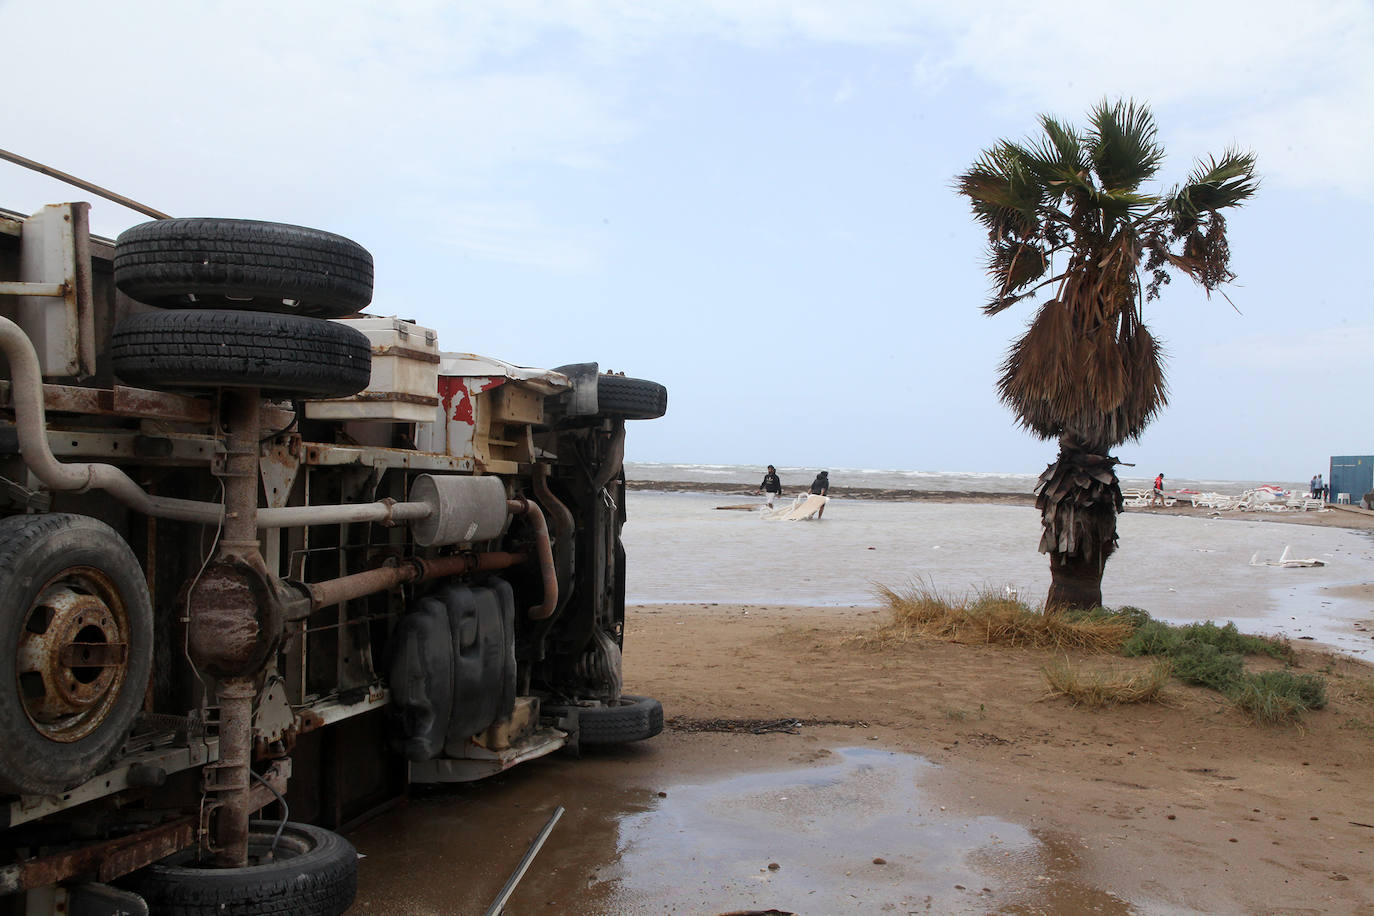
(855, 834)
(852, 832)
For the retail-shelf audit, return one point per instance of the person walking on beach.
(771, 486)
(1159, 491)
(1316, 486)
(821, 487)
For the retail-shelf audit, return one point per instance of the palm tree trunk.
(1079, 498)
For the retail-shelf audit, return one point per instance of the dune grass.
(918, 612)
(1202, 654)
(1110, 687)
(1276, 697)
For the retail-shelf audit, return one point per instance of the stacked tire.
(242, 304)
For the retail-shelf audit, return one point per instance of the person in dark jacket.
(771, 486)
(821, 487)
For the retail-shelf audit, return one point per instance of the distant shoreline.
(878, 493)
(1332, 516)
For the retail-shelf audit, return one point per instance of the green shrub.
(1199, 662)
(1229, 639)
(1278, 696)
(1154, 637)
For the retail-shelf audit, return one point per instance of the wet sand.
(1008, 801)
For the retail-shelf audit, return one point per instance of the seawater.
(795, 479)
(683, 550)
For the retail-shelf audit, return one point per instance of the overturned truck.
(261, 551)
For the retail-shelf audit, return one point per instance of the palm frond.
(1059, 160)
(1121, 145)
(1121, 206)
(1016, 264)
(1003, 193)
(1215, 185)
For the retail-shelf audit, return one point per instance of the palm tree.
(1065, 210)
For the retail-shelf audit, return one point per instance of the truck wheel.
(77, 625)
(629, 719)
(285, 355)
(630, 398)
(312, 872)
(243, 264)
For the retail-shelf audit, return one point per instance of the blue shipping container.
(1353, 474)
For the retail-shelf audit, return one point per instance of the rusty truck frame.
(261, 550)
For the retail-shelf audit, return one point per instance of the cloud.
(242, 107)
(236, 106)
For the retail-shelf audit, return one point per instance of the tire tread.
(630, 398)
(245, 264)
(286, 354)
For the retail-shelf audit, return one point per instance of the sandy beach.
(1182, 806)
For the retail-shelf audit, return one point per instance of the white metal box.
(405, 375)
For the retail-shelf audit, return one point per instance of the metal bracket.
(55, 299)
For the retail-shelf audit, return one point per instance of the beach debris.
(805, 507)
(1286, 560)
(499, 904)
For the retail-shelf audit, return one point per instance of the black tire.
(315, 873)
(631, 718)
(630, 398)
(284, 355)
(67, 581)
(243, 264)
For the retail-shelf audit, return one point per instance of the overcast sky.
(746, 200)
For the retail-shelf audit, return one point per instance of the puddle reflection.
(853, 833)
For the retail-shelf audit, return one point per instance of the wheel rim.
(72, 655)
(264, 848)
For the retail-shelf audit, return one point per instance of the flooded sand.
(661, 828)
(682, 550)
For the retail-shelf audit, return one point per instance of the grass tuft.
(919, 612)
(1274, 697)
(1099, 688)
(1201, 663)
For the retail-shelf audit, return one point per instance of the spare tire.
(630, 718)
(284, 355)
(243, 264)
(630, 398)
(310, 872)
